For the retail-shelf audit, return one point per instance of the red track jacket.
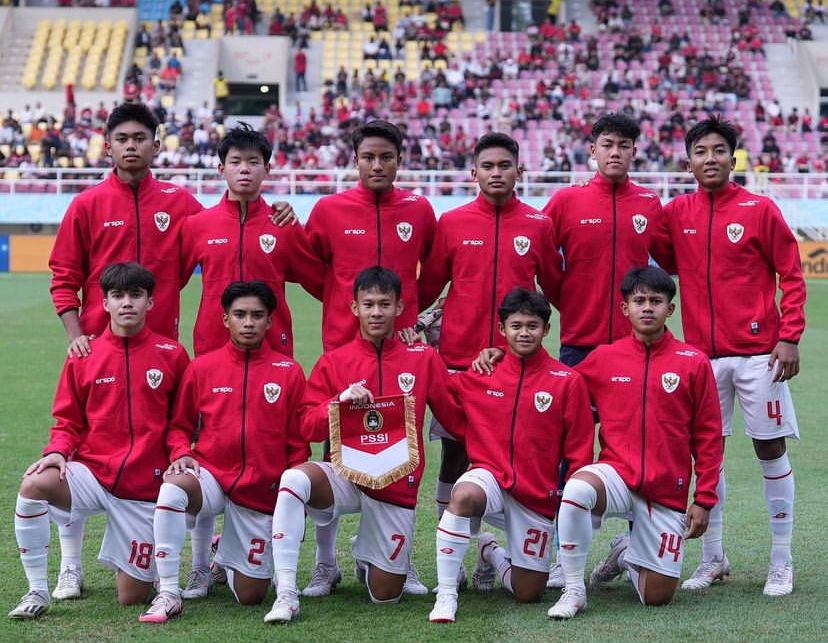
(485, 251)
(245, 406)
(728, 248)
(384, 372)
(604, 230)
(110, 223)
(229, 250)
(522, 421)
(112, 408)
(359, 228)
(660, 418)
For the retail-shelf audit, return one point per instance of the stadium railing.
(428, 183)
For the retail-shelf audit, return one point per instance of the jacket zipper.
(379, 365)
(129, 416)
(644, 416)
(137, 225)
(709, 281)
(379, 230)
(241, 244)
(514, 422)
(243, 425)
(612, 269)
(494, 274)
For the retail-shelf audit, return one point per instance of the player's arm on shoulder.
(68, 262)
(303, 265)
(661, 245)
(320, 392)
(188, 256)
(444, 397)
(486, 361)
(282, 214)
(79, 343)
(435, 271)
(550, 270)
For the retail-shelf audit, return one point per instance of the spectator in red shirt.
(300, 66)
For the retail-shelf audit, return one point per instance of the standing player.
(660, 424)
(130, 216)
(111, 411)
(373, 364)
(236, 240)
(484, 248)
(245, 398)
(373, 223)
(727, 240)
(603, 228)
(526, 417)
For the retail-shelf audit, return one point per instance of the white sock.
(495, 555)
(31, 527)
(779, 498)
(712, 548)
(289, 526)
(201, 537)
(326, 543)
(575, 530)
(169, 528)
(442, 495)
(71, 543)
(453, 535)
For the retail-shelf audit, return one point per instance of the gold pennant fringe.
(364, 479)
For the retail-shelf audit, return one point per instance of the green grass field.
(33, 346)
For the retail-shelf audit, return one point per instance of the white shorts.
(386, 531)
(127, 541)
(657, 537)
(766, 406)
(530, 537)
(245, 538)
(435, 429)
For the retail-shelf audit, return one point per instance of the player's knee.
(466, 500)
(657, 598)
(385, 595)
(525, 594)
(250, 595)
(657, 590)
(39, 486)
(769, 449)
(580, 493)
(297, 483)
(132, 592)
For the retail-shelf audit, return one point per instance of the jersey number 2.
(257, 548)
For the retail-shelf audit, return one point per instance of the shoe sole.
(157, 620)
(441, 620)
(28, 616)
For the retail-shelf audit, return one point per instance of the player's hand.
(696, 522)
(282, 214)
(408, 336)
(785, 357)
(182, 464)
(485, 362)
(356, 393)
(80, 346)
(48, 461)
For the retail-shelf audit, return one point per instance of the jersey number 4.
(775, 411)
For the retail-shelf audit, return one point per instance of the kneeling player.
(660, 423)
(373, 364)
(245, 398)
(522, 420)
(111, 410)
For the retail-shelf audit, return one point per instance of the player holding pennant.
(111, 411)
(731, 247)
(372, 223)
(245, 398)
(531, 403)
(660, 425)
(372, 365)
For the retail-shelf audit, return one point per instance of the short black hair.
(244, 137)
(496, 139)
(380, 129)
(126, 276)
(713, 125)
(239, 289)
(378, 278)
(648, 278)
(619, 124)
(521, 300)
(126, 112)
